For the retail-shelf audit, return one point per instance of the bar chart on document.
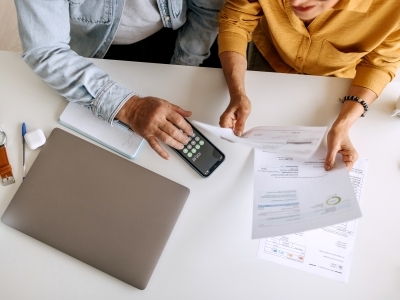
(325, 251)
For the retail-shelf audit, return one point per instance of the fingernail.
(328, 168)
(238, 133)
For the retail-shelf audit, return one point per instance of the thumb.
(330, 159)
(239, 124)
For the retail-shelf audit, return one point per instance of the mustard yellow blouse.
(357, 39)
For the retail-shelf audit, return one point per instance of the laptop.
(97, 207)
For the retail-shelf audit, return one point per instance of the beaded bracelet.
(359, 100)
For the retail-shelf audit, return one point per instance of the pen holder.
(396, 112)
(35, 138)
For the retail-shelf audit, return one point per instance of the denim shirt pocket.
(91, 11)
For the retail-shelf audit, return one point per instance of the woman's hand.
(339, 142)
(338, 137)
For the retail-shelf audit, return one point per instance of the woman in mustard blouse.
(357, 39)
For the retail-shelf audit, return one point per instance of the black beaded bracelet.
(359, 100)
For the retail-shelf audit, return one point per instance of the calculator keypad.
(193, 146)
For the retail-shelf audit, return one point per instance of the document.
(117, 137)
(301, 141)
(326, 251)
(294, 194)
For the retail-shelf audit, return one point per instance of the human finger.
(330, 157)
(175, 133)
(242, 116)
(178, 121)
(168, 139)
(349, 161)
(227, 119)
(349, 157)
(155, 145)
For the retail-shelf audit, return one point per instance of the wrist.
(358, 100)
(237, 93)
(354, 106)
(126, 110)
(350, 113)
(241, 100)
(341, 125)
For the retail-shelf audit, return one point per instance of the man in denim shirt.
(56, 35)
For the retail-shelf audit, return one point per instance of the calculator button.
(193, 134)
(185, 150)
(194, 150)
(197, 147)
(197, 138)
(201, 142)
(189, 154)
(193, 143)
(189, 147)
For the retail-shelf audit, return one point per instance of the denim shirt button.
(166, 18)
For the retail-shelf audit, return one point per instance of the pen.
(23, 149)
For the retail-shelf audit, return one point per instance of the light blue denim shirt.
(57, 35)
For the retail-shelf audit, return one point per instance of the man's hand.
(236, 114)
(154, 118)
(339, 142)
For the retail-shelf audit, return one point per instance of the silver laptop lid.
(97, 207)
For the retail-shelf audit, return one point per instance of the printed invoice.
(293, 194)
(301, 141)
(325, 251)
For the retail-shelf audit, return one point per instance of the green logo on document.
(333, 200)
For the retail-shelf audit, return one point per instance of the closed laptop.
(97, 207)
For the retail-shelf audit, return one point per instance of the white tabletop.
(210, 254)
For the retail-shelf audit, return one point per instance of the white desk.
(210, 254)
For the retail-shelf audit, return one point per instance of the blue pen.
(23, 149)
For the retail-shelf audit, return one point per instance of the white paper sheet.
(325, 251)
(293, 194)
(301, 141)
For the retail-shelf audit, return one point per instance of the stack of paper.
(293, 193)
(326, 251)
